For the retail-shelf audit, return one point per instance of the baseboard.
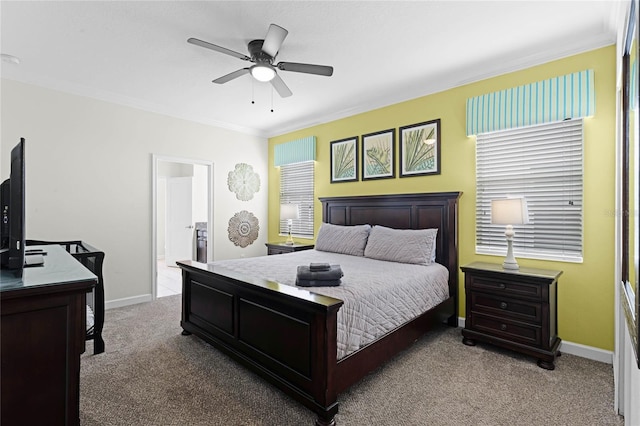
(584, 351)
(127, 301)
(576, 349)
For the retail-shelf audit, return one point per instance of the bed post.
(325, 360)
(453, 257)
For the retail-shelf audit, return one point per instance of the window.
(296, 187)
(543, 163)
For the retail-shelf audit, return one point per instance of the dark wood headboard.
(405, 211)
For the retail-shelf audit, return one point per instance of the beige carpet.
(152, 375)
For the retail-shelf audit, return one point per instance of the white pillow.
(402, 245)
(343, 239)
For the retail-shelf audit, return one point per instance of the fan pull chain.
(253, 92)
(272, 99)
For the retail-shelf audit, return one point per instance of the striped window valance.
(296, 151)
(555, 99)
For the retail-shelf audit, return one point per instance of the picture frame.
(344, 160)
(378, 155)
(420, 149)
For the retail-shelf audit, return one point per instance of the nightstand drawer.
(506, 329)
(507, 288)
(507, 308)
(277, 250)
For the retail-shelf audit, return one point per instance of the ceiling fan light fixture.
(262, 53)
(263, 72)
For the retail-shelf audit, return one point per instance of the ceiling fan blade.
(306, 68)
(280, 87)
(231, 76)
(220, 49)
(273, 40)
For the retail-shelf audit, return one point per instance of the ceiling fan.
(263, 54)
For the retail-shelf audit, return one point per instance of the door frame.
(155, 159)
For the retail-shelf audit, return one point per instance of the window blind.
(543, 163)
(296, 187)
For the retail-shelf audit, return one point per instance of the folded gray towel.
(305, 273)
(317, 283)
(319, 266)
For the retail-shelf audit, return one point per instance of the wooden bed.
(288, 334)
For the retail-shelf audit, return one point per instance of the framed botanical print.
(344, 160)
(378, 155)
(420, 149)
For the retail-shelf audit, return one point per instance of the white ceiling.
(383, 52)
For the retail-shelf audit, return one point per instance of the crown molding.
(106, 96)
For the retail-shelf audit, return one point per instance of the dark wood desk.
(42, 334)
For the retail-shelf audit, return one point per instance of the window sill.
(304, 237)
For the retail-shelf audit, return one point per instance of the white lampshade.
(289, 211)
(509, 211)
(263, 72)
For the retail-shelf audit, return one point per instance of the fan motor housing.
(257, 55)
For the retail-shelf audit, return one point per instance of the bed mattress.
(378, 296)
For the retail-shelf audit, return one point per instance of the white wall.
(88, 168)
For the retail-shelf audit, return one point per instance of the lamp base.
(510, 261)
(289, 241)
(512, 266)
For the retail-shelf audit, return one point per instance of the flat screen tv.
(12, 193)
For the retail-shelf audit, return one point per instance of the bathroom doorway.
(182, 210)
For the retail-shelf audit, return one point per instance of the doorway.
(182, 203)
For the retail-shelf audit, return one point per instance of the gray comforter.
(378, 296)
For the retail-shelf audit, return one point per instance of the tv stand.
(42, 334)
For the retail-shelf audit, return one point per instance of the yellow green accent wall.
(586, 290)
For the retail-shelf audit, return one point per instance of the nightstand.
(516, 310)
(280, 248)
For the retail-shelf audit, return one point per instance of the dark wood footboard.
(285, 334)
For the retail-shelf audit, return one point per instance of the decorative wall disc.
(243, 181)
(243, 228)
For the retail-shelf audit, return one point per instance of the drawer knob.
(503, 305)
(502, 286)
(503, 327)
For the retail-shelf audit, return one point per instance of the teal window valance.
(555, 99)
(296, 151)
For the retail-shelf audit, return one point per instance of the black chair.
(92, 259)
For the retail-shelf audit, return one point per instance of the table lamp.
(509, 212)
(289, 212)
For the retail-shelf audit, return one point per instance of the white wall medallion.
(243, 228)
(243, 181)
